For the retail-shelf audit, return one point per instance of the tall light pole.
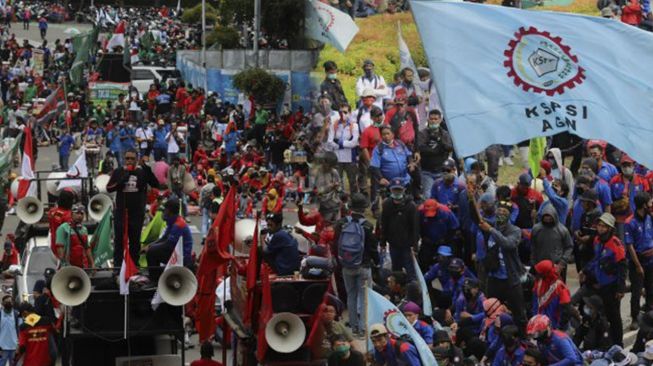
(257, 29)
(203, 53)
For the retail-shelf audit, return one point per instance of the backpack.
(351, 243)
(403, 124)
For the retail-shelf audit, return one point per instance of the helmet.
(539, 327)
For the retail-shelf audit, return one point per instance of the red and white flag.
(118, 38)
(26, 186)
(134, 56)
(128, 268)
(54, 104)
(78, 170)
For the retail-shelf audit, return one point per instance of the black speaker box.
(103, 312)
(97, 352)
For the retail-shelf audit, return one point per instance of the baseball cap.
(396, 183)
(277, 218)
(377, 330)
(368, 93)
(430, 207)
(368, 62)
(525, 179)
(445, 251)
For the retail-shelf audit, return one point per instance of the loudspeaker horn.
(243, 232)
(177, 286)
(285, 332)
(101, 182)
(189, 183)
(98, 206)
(71, 286)
(52, 184)
(29, 210)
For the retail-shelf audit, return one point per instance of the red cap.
(625, 158)
(430, 207)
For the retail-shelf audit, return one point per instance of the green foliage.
(236, 11)
(263, 86)
(226, 37)
(194, 14)
(284, 19)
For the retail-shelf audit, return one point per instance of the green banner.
(102, 241)
(83, 44)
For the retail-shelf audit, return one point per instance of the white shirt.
(347, 134)
(377, 83)
(144, 134)
(173, 148)
(365, 121)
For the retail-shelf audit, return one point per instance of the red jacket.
(632, 13)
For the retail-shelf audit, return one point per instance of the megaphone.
(71, 286)
(101, 182)
(98, 206)
(189, 183)
(52, 184)
(285, 332)
(177, 286)
(29, 210)
(243, 232)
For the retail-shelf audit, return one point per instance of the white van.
(144, 76)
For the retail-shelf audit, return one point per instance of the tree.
(262, 85)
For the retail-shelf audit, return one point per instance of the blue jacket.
(113, 137)
(178, 228)
(389, 357)
(160, 138)
(475, 308)
(639, 233)
(503, 358)
(424, 330)
(605, 266)
(560, 350)
(560, 204)
(67, 142)
(448, 195)
(128, 142)
(392, 161)
(607, 171)
(440, 227)
(282, 253)
(230, 141)
(442, 274)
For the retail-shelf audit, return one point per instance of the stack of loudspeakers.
(99, 339)
(293, 303)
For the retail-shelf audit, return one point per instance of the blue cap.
(396, 183)
(445, 251)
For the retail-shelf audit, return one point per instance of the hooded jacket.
(508, 238)
(551, 242)
(399, 224)
(550, 294)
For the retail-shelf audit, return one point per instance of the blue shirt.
(128, 142)
(475, 308)
(392, 161)
(639, 233)
(163, 98)
(160, 138)
(67, 142)
(503, 358)
(389, 357)
(424, 330)
(439, 227)
(603, 190)
(560, 204)
(448, 195)
(560, 350)
(114, 141)
(607, 171)
(8, 332)
(178, 228)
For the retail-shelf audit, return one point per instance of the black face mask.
(8, 306)
(605, 237)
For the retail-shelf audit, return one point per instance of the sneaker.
(508, 161)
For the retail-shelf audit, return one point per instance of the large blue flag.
(381, 310)
(506, 75)
(427, 307)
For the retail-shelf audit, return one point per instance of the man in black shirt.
(434, 147)
(342, 354)
(130, 184)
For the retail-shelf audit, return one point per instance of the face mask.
(369, 74)
(502, 220)
(587, 172)
(628, 170)
(449, 178)
(587, 310)
(434, 126)
(8, 306)
(548, 223)
(455, 275)
(605, 237)
(397, 196)
(580, 191)
(342, 350)
(553, 163)
(377, 125)
(332, 76)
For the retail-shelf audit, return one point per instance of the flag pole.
(367, 293)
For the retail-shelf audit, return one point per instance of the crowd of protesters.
(500, 252)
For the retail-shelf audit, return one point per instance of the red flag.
(265, 313)
(25, 186)
(54, 103)
(118, 37)
(127, 268)
(315, 337)
(252, 269)
(214, 255)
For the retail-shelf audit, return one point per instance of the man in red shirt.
(58, 215)
(206, 356)
(370, 137)
(34, 338)
(9, 256)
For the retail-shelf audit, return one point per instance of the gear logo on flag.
(540, 62)
(396, 323)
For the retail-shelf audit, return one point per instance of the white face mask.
(556, 173)
(587, 311)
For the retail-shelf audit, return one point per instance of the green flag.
(102, 243)
(83, 44)
(536, 154)
(152, 233)
(147, 41)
